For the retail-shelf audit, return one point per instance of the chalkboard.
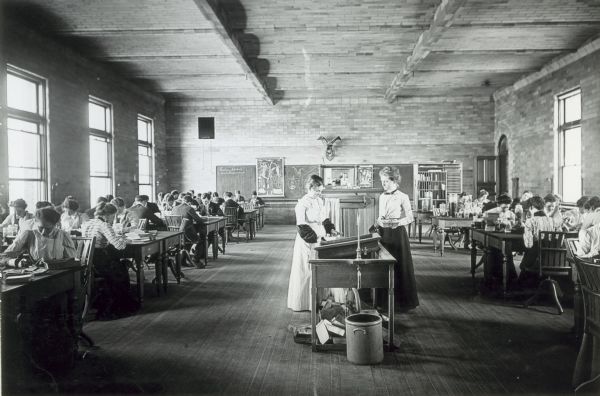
(296, 177)
(239, 177)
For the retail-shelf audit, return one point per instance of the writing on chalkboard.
(231, 170)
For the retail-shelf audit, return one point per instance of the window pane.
(99, 151)
(24, 126)
(146, 189)
(573, 108)
(98, 117)
(572, 142)
(99, 186)
(21, 94)
(23, 150)
(30, 191)
(144, 131)
(571, 188)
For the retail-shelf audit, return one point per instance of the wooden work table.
(330, 271)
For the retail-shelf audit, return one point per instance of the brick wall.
(373, 131)
(71, 79)
(526, 116)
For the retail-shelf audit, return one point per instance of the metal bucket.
(364, 339)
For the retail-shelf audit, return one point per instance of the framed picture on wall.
(270, 180)
(365, 176)
(339, 176)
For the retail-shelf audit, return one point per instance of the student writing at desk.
(395, 213)
(116, 299)
(45, 240)
(19, 217)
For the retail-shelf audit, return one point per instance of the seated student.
(175, 194)
(230, 203)
(572, 219)
(115, 299)
(215, 197)
(505, 216)
(194, 223)
(71, 219)
(213, 208)
(90, 212)
(589, 242)
(19, 216)
(140, 210)
(122, 216)
(239, 197)
(256, 200)
(538, 221)
(159, 197)
(482, 198)
(591, 217)
(62, 207)
(45, 240)
(154, 208)
(203, 206)
(518, 205)
(167, 203)
(552, 208)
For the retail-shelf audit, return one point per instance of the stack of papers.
(137, 236)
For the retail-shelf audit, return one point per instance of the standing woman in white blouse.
(313, 224)
(395, 205)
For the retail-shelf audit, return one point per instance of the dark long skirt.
(395, 240)
(114, 299)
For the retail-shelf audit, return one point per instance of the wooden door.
(486, 174)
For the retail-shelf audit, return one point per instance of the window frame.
(40, 118)
(108, 136)
(561, 131)
(148, 144)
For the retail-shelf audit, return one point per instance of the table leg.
(139, 274)
(473, 258)
(466, 237)
(206, 248)
(420, 229)
(442, 242)
(215, 243)
(165, 271)
(224, 239)
(505, 252)
(313, 311)
(391, 308)
(158, 273)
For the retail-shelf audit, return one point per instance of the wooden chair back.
(85, 254)
(231, 217)
(173, 222)
(189, 232)
(552, 253)
(589, 274)
(142, 224)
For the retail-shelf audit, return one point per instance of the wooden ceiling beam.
(218, 21)
(443, 18)
(128, 32)
(152, 58)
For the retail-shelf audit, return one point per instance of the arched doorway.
(503, 165)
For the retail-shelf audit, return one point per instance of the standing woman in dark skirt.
(395, 205)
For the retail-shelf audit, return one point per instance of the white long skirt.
(301, 276)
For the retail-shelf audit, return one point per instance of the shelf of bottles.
(431, 185)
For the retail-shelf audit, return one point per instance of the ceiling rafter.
(219, 22)
(443, 18)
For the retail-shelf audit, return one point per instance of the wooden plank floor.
(224, 330)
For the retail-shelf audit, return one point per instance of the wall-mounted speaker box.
(206, 127)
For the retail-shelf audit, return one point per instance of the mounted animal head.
(329, 152)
